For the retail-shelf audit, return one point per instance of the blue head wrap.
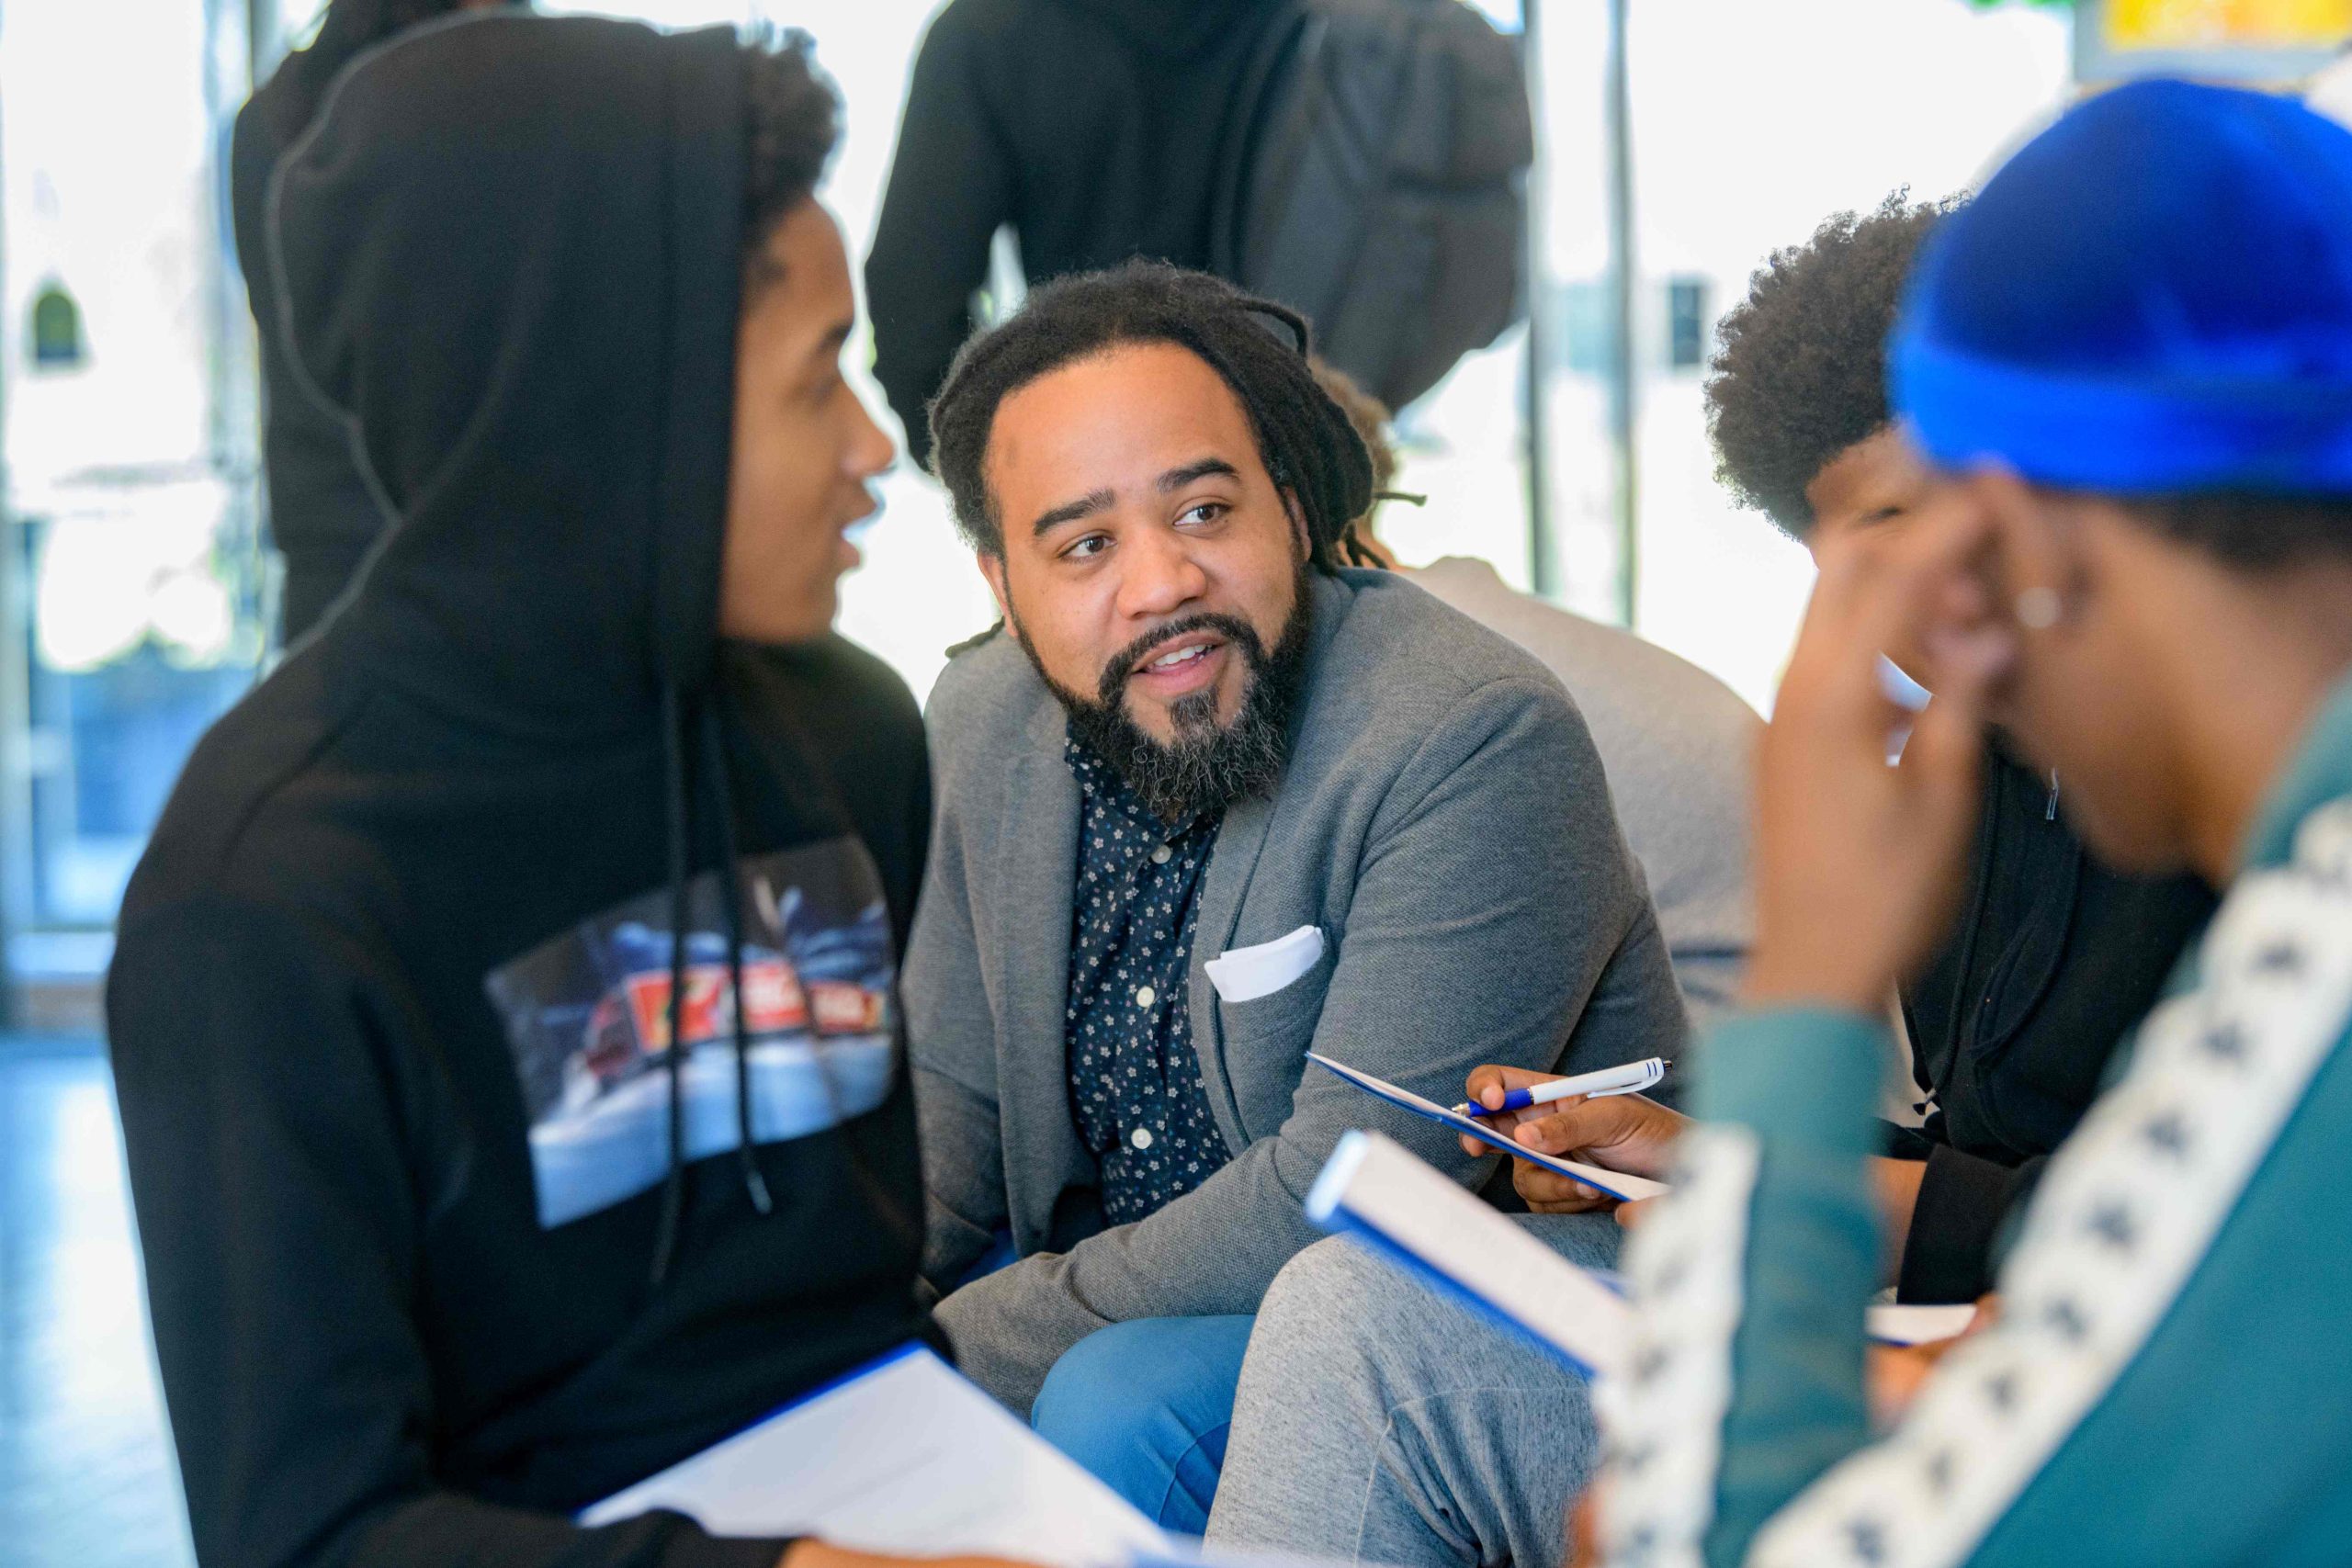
(2153, 297)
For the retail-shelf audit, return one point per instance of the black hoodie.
(1094, 128)
(322, 519)
(393, 980)
(2054, 960)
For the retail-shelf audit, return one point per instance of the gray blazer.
(1443, 819)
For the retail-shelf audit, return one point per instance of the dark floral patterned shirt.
(1135, 1079)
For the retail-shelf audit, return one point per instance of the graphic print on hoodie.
(588, 1016)
(521, 729)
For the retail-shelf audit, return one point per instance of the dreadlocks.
(1310, 448)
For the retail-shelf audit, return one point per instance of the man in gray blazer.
(1211, 801)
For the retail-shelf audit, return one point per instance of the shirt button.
(1162, 855)
(1142, 1138)
(1145, 996)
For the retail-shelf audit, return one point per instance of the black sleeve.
(1948, 1255)
(951, 186)
(281, 1220)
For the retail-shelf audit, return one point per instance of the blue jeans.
(1145, 1406)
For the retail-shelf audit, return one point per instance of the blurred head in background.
(1372, 419)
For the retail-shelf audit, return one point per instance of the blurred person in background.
(1093, 126)
(1363, 162)
(504, 1013)
(1674, 741)
(2132, 379)
(321, 516)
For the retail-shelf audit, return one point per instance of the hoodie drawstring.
(679, 832)
(680, 829)
(730, 893)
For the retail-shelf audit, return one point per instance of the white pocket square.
(1245, 974)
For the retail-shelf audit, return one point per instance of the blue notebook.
(1375, 1190)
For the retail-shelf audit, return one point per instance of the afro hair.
(1800, 373)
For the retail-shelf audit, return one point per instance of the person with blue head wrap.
(2188, 331)
(2130, 361)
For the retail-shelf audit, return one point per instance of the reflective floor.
(86, 1478)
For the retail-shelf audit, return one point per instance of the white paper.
(1616, 1183)
(1245, 974)
(908, 1457)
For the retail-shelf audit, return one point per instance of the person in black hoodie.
(443, 1240)
(1094, 128)
(322, 517)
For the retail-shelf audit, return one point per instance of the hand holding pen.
(1621, 1130)
(1631, 1078)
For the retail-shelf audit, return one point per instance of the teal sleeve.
(2154, 1388)
(1805, 1082)
(1753, 1277)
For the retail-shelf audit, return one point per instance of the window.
(129, 566)
(1749, 125)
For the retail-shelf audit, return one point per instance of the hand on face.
(1618, 1131)
(1872, 489)
(1858, 864)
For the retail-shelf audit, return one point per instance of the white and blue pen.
(1631, 1078)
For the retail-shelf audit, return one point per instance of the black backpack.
(1375, 182)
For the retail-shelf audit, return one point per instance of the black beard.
(1208, 766)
